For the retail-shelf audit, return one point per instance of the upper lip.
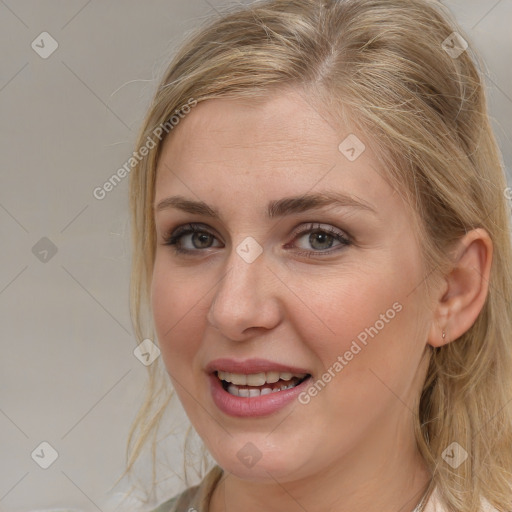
(248, 366)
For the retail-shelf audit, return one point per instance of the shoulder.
(193, 499)
(181, 502)
(434, 504)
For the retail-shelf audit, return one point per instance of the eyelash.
(174, 237)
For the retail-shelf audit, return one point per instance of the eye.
(320, 239)
(195, 234)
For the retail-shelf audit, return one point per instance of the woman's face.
(327, 298)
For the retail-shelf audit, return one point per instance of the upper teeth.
(257, 379)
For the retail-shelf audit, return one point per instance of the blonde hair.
(386, 65)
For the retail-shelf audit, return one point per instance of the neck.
(369, 479)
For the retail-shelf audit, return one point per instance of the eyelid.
(318, 226)
(173, 236)
(174, 233)
(302, 228)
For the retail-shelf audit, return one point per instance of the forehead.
(272, 148)
(274, 126)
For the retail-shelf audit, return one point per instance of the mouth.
(259, 384)
(255, 387)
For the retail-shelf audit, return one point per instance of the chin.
(254, 458)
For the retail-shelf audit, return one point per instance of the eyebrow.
(276, 208)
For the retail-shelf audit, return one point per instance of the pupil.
(203, 237)
(324, 238)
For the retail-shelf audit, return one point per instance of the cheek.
(176, 315)
(347, 306)
(179, 317)
(164, 300)
(371, 320)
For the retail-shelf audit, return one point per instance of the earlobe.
(465, 290)
(438, 336)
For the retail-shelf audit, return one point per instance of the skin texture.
(351, 448)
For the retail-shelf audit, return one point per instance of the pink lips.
(254, 406)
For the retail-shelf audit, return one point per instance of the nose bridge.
(240, 281)
(242, 298)
(245, 264)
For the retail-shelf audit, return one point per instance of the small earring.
(443, 335)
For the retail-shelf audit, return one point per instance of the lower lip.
(254, 406)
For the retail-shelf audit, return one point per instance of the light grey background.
(68, 122)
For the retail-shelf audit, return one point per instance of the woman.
(322, 238)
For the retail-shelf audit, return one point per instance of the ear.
(465, 288)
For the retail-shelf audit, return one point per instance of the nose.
(246, 299)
